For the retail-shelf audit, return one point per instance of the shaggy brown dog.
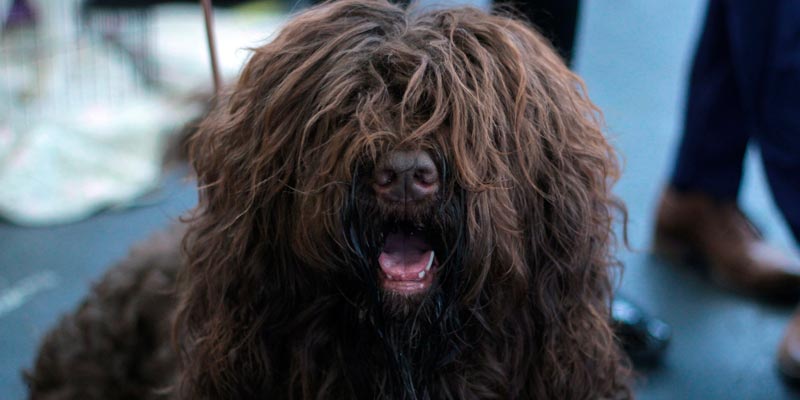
(393, 204)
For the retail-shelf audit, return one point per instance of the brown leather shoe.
(789, 351)
(692, 226)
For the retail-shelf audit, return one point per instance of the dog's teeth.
(430, 263)
(421, 274)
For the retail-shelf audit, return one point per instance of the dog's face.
(443, 168)
(410, 154)
(404, 222)
(405, 188)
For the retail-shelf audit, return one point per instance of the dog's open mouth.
(407, 261)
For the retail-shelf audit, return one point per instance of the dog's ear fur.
(258, 225)
(241, 275)
(538, 173)
(565, 169)
(233, 247)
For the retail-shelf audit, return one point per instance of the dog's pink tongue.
(405, 257)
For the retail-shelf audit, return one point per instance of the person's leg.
(780, 149)
(780, 110)
(698, 214)
(555, 19)
(782, 165)
(715, 133)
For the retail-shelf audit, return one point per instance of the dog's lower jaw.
(412, 278)
(407, 263)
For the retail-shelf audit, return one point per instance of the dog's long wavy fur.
(278, 296)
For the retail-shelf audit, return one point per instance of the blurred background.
(92, 97)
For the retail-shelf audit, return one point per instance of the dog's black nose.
(404, 176)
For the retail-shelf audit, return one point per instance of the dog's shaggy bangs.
(526, 172)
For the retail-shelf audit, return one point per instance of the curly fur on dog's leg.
(116, 345)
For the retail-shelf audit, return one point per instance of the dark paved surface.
(44, 272)
(633, 55)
